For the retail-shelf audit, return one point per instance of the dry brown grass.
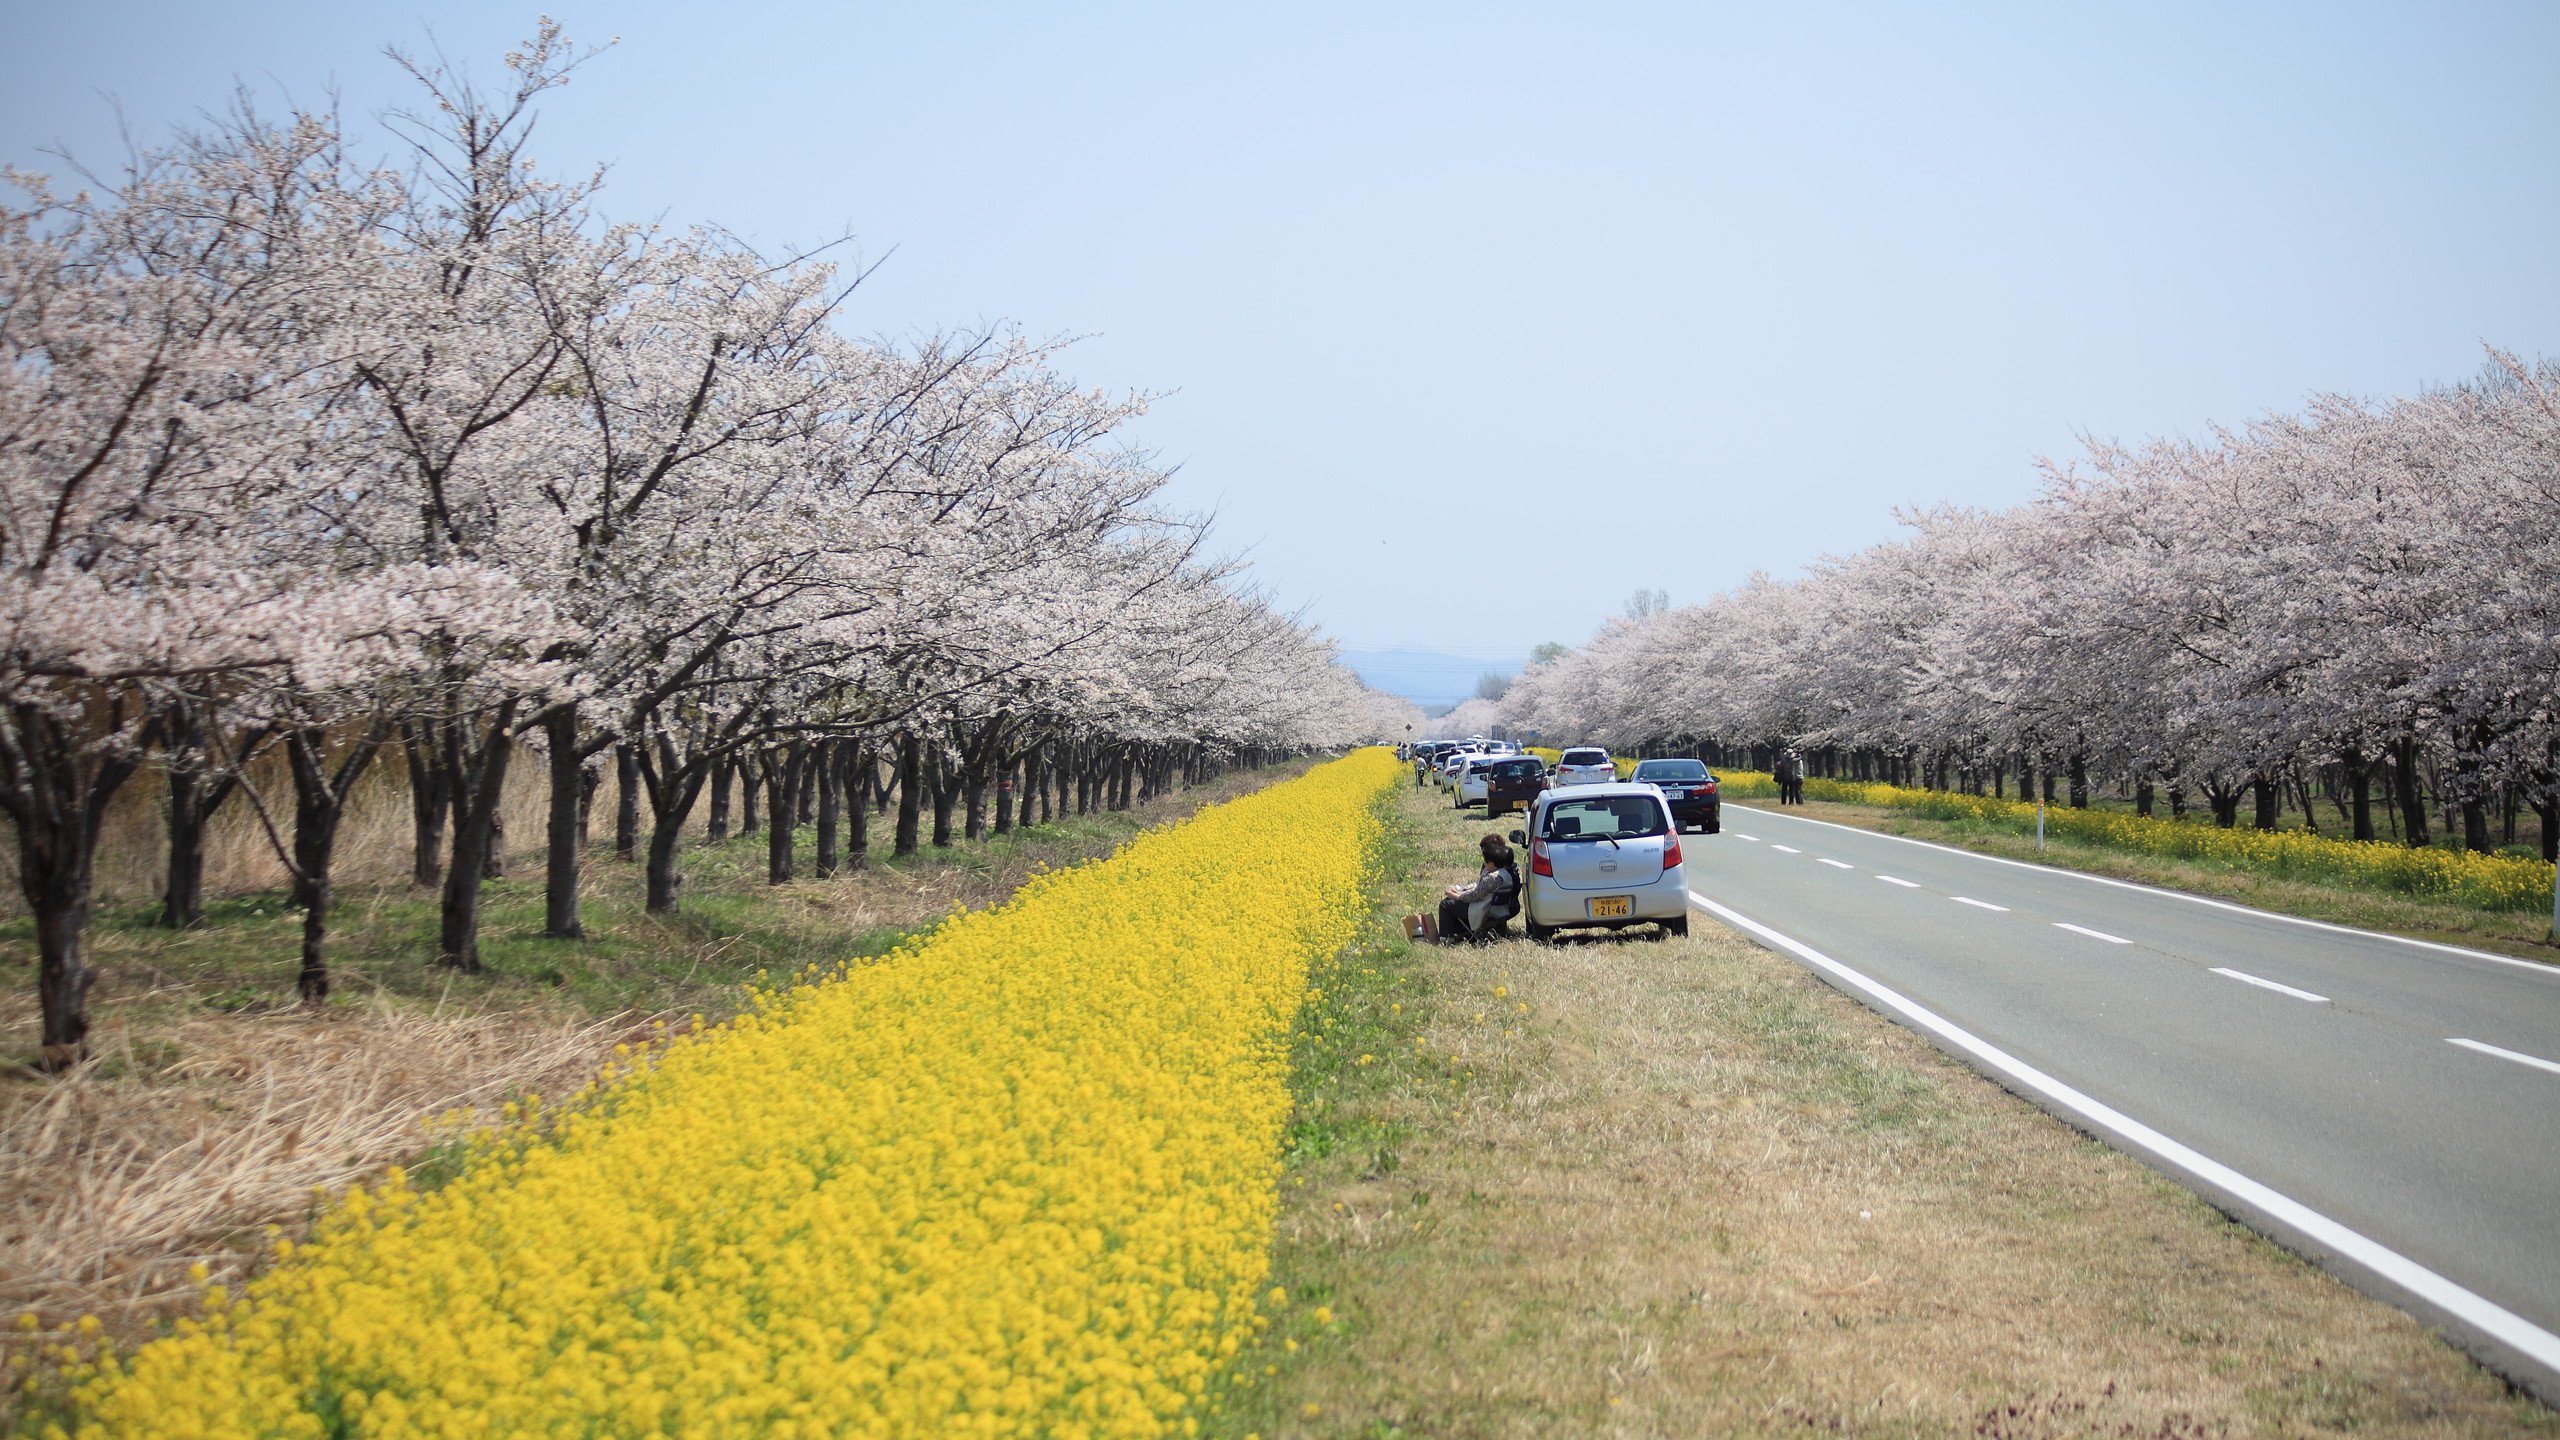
(1695, 1192)
(116, 1179)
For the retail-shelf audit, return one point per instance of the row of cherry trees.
(350, 463)
(2362, 599)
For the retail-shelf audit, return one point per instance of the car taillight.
(1711, 787)
(1671, 852)
(1538, 862)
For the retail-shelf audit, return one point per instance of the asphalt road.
(2407, 1095)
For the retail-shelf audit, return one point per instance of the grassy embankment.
(1680, 1188)
(215, 1104)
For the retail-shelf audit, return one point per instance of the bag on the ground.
(1424, 928)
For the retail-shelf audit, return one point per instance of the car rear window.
(1514, 769)
(1585, 757)
(1671, 770)
(1617, 817)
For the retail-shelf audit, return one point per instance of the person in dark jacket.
(1791, 778)
(1470, 912)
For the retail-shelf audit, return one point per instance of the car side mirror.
(1519, 837)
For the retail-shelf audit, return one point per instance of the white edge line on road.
(2547, 971)
(1978, 904)
(2477, 1310)
(1905, 884)
(2245, 978)
(1840, 864)
(1738, 835)
(2092, 934)
(2517, 1056)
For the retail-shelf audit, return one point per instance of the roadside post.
(2555, 905)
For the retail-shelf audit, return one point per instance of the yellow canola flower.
(1018, 1177)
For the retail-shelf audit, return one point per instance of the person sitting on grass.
(1471, 912)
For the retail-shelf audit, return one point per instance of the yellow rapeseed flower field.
(2489, 882)
(1016, 1178)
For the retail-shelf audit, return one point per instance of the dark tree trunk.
(784, 766)
(192, 801)
(674, 784)
(56, 788)
(560, 841)
(590, 780)
(430, 800)
(750, 787)
(717, 828)
(2467, 784)
(2269, 800)
(859, 767)
(2225, 800)
(182, 893)
(2142, 798)
(826, 767)
(946, 790)
(910, 799)
(475, 836)
(2412, 802)
(1004, 798)
(626, 804)
(2079, 782)
(320, 792)
(2359, 794)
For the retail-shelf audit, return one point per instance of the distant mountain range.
(1432, 679)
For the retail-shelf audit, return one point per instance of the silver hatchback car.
(1585, 765)
(1602, 856)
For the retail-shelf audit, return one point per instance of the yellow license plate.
(1612, 907)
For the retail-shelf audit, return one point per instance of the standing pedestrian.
(1791, 778)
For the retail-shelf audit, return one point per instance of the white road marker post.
(2040, 844)
(2554, 937)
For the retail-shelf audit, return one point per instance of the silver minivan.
(1604, 856)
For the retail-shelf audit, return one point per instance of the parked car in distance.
(1602, 856)
(1444, 771)
(1585, 765)
(1513, 782)
(1469, 785)
(1689, 788)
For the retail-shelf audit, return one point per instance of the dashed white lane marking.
(2246, 978)
(1839, 864)
(1738, 835)
(1790, 849)
(1979, 904)
(2092, 934)
(2500, 1323)
(1905, 884)
(2536, 1061)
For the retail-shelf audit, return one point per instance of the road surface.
(2388, 1107)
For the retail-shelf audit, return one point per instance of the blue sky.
(1476, 318)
